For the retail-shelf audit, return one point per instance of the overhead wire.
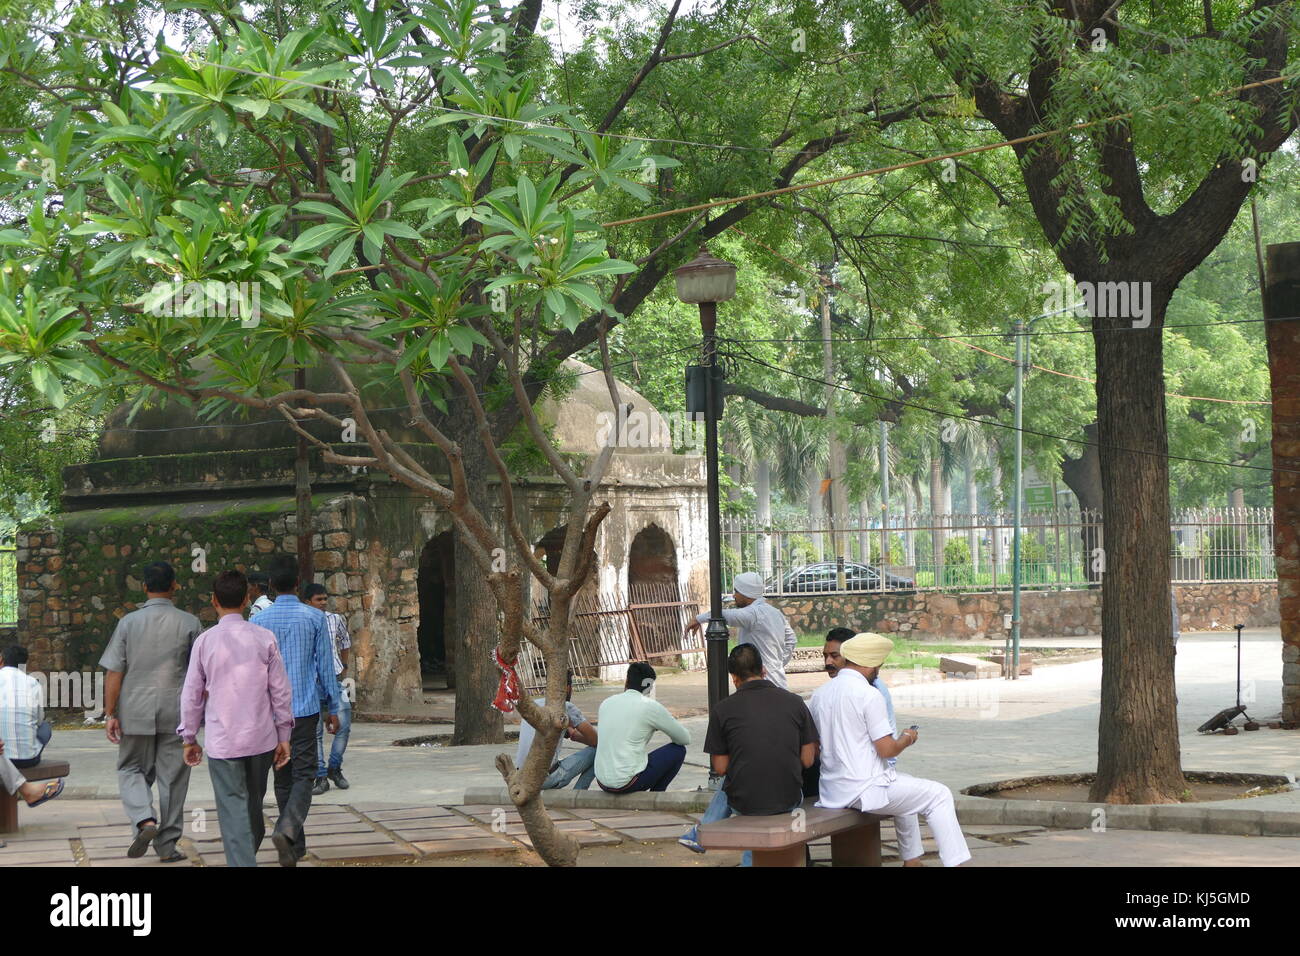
(996, 424)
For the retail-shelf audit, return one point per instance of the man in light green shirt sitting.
(627, 721)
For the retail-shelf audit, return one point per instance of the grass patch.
(907, 653)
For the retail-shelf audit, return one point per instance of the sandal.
(52, 790)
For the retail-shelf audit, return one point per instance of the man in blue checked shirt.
(303, 636)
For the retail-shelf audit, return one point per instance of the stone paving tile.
(410, 813)
(468, 832)
(10, 857)
(346, 839)
(364, 852)
(584, 838)
(652, 833)
(17, 842)
(510, 815)
(433, 832)
(264, 858)
(118, 843)
(120, 830)
(40, 865)
(150, 859)
(351, 826)
(617, 821)
(478, 844)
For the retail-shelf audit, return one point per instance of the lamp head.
(705, 278)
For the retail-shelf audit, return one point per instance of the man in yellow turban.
(856, 744)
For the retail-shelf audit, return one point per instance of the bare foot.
(34, 794)
(916, 862)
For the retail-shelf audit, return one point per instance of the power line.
(1017, 141)
(960, 338)
(1023, 430)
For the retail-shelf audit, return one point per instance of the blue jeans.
(340, 738)
(581, 765)
(720, 809)
(660, 769)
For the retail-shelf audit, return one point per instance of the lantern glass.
(705, 279)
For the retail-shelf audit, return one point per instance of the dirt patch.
(1202, 786)
(440, 740)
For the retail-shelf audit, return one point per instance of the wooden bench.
(45, 770)
(776, 841)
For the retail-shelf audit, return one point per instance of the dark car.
(857, 577)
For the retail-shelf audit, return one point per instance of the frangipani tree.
(362, 199)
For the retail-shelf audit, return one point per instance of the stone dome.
(583, 420)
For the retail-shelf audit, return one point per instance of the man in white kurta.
(758, 623)
(856, 744)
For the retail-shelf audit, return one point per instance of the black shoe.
(340, 781)
(175, 856)
(284, 847)
(144, 835)
(321, 785)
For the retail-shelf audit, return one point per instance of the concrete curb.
(973, 811)
(1220, 821)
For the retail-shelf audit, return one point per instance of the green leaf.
(309, 110)
(438, 350)
(342, 252)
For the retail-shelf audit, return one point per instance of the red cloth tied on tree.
(508, 688)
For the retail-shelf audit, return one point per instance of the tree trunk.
(864, 536)
(735, 472)
(936, 510)
(816, 508)
(972, 509)
(1082, 475)
(911, 504)
(477, 629)
(1138, 753)
(524, 783)
(763, 512)
(1283, 339)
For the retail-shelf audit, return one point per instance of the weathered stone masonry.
(936, 616)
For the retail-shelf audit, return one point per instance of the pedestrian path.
(90, 833)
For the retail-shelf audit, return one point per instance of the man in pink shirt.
(238, 689)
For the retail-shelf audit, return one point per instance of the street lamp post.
(706, 281)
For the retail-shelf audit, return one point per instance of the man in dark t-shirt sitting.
(762, 737)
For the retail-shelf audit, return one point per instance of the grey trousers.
(145, 759)
(239, 784)
(11, 778)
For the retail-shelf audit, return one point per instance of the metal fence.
(609, 630)
(1059, 548)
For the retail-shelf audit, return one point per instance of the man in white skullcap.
(758, 623)
(856, 744)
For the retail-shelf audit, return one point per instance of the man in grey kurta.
(760, 624)
(146, 660)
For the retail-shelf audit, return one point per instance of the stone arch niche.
(652, 580)
(436, 586)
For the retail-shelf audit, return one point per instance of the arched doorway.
(436, 585)
(652, 586)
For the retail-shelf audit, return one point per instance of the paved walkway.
(91, 833)
(88, 833)
(971, 732)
